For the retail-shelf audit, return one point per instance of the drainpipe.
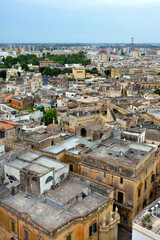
(18, 227)
(98, 225)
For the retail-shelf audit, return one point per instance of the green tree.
(24, 66)
(22, 59)
(3, 74)
(19, 74)
(92, 71)
(34, 61)
(70, 59)
(107, 72)
(157, 91)
(71, 79)
(48, 71)
(49, 116)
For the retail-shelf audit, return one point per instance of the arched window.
(50, 178)
(34, 179)
(83, 132)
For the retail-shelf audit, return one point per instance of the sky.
(79, 21)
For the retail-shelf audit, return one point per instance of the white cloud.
(89, 3)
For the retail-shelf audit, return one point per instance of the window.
(125, 220)
(92, 229)
(13, 226)
(90, 171)
(145, 185)
(156, 170)
(50, 178)
(151, 195)
(62, 177)
(152, 178)
(121, 180)
(144, 203)
(71, 167)
(34, 179)
(120, 197)
(139, 192)
(68, 237)
(104, 175)
(25, 235)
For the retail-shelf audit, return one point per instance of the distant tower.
(132, 43)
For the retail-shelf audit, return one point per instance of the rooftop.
(70, 144)
(131, 154)
(38, 168)
(30, 156)
(149, 218)
(17, 163)
(50, 163)
(55, 204)
(36, 163)
(37, 137)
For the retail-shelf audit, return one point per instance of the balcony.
(112, 221)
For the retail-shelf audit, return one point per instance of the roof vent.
(120, 154)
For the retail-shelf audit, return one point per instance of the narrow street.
(123, 234)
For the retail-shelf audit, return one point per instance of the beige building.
(18, 89)
(74, 209)
(132, 169)
(116, 72)
(35, 82)
(13, 72)
(79, 73)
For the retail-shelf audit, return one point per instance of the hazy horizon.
(98, 21)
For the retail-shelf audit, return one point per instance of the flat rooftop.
(70, 145)
(151, 213)
(38, 137)
(50, 211)
(38, 168)
(131, 154)
(155, 113)
(36, 163)
(51, 163)
(66, 191)
(29, 156)
(17, 163)
(9, 154)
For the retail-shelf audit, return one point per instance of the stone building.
(76, 209)
(21, 102)
(9, 131)
(132, 169)
(79, 73)
(69, 151)
(40, 140)
(92, 130)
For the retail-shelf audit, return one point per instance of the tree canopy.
(49, 116)
(107, 72)
(55, 71)
(92, 71)
(23, 60)
(3, 74)
(157, 91)
(70, 59)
